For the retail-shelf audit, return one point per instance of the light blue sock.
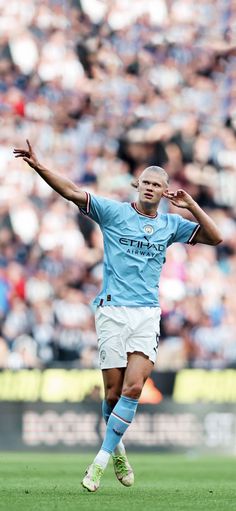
(118, 422)
(106, 410)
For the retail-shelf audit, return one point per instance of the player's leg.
(113, 382)
(138, 369)
(113, 361)
(111, 327)
(121, 331)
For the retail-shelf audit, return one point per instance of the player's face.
(151, 187)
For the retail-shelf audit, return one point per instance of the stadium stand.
(102, 91)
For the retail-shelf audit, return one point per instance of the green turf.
(51, 482)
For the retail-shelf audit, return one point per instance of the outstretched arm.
(208, 232)
(61, 185)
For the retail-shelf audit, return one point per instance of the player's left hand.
(180, 198)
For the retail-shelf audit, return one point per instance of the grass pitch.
(51, 482)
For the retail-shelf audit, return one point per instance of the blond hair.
(152, 168)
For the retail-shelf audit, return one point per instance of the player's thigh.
(138, 369)
(113, 380)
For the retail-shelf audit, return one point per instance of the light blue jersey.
(134, 250)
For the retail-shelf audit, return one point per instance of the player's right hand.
(27, 155)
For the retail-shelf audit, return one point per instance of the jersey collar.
(134, 206)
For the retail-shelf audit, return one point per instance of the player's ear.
(135, 183)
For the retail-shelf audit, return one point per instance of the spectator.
(106, 89)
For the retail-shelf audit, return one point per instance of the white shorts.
(123, 330)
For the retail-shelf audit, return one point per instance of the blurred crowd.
(104, 88)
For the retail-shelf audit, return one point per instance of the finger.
(21, 154)
(168, 194)
(19, 150)
(170, 198)
(28, 161)
(174, 203)
(29, 145)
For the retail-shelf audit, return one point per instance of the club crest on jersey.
(148, 229)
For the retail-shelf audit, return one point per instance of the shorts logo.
(148, 229)
(103, 355)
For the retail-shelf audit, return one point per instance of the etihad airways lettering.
(142, 244)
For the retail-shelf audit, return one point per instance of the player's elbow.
(213, 238)
(218, 240)
(212, 241)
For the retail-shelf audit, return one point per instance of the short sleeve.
(99, 209)
(186, 230)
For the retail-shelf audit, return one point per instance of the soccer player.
(127, 313)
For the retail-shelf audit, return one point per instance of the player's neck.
(146, 209)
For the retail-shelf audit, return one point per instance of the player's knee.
(112, 397)
(132, 390)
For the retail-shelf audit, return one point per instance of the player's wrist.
(39, 167)
(193, 206)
